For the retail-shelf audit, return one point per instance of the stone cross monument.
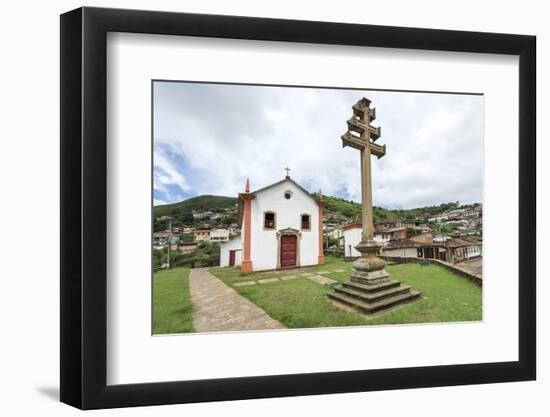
(370, 289)
(369, 265)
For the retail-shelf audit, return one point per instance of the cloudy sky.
(208, 138)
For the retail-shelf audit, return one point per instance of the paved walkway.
(475, 266)
(218, 307)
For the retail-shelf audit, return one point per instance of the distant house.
(219, 235)
(439, 218)
(384, 233)
(352, 237)
(197, 215)
(200, 235)
(464, 249)
(405, 248)
(161, 239)
(335, 233)
(234, 229)
(388, 224)
(187, 247)
(429, 247)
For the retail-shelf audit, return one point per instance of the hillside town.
(453, 235)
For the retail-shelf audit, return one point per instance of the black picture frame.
(84, 207)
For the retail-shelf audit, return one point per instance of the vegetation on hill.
(336, 205)
(182, 213)
(214, 203)
(352, 210)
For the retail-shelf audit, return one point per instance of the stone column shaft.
(366, 183)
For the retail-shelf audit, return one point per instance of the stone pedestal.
(369, 268)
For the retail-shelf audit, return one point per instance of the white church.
(281, 227)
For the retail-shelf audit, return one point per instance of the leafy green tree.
(186, 237)
(185, 217)
(229, 220)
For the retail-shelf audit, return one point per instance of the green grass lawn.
(233, 275)
(445, 296)
(301, 303)
(172, 308)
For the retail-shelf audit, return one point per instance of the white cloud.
(217, 135)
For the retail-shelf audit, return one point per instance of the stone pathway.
(218, 307)
(319, 279)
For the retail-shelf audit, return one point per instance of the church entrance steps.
(218, 307)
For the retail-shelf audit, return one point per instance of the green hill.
(213, 203)
(337, 205)
(351, 209)
(181, 213)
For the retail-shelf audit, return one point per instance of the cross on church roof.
(287, 169)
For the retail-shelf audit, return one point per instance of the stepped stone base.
(373, 294)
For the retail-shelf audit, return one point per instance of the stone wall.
(453, 268)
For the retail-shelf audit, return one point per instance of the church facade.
(281, 227)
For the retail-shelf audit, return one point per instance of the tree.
(185, 217)
(186, 237)
(160, 225)
(229, 220)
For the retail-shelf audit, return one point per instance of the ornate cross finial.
(287, 169)
(247, 187)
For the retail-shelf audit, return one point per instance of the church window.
(269, 220)
(305, 222)
(288, 195)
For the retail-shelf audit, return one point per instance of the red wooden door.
(231, 258)
(288, 251)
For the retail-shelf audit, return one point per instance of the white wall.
(470, 252)
(29, 173)
(379, 237)
(402, 252)
(288, 214)
(233, 244)
(353, 236)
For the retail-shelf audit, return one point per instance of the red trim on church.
(321, 257)
(246, 264)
